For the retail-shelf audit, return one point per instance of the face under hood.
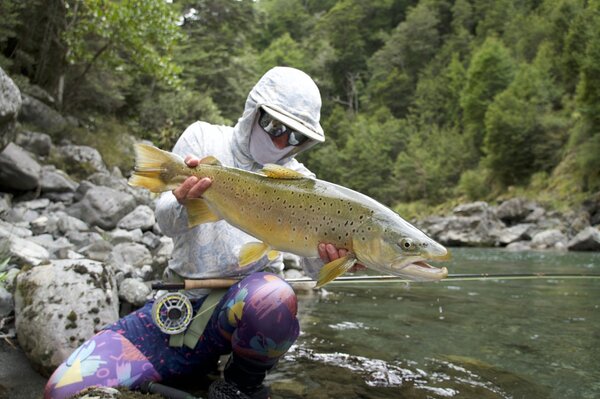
(289, 95)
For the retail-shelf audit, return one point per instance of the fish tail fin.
(155, 169)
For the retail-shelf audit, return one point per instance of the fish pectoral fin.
(281, 172)
(210, 160)
(334, 269)
(199, 212)
(252, 252)
(272, 254)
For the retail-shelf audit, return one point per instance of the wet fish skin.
(290, 212)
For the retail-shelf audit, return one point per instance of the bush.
(474, 184)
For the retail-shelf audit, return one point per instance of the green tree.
(395, 67)
(217, 56)
(437, 97)
(283, 51)
(587, 138)
(133, 36)
(489, 73)
(521, 137)
(431, 164)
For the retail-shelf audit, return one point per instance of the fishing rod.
(228, 282)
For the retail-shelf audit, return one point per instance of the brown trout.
(290, 212)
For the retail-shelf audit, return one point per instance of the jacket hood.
(289, 94)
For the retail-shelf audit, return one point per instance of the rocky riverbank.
(76, 252)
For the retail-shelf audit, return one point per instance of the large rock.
(514, 233)
(54, 180)
(23, 251)
(18, 170)
(587, 240)
(514, 210)
(102, 207)
(549, 239)
(10, 105)
(40, 115)
(36, 143)
(141, 217)
(59, 306)
(87, 160)
(473, 225)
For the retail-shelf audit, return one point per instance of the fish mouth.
(418, 269)
(422, 271)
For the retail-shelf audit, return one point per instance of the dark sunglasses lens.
(275, 128)
(296, 139)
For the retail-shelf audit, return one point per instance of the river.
(499, 338)
(537, 338)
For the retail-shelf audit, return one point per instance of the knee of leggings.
(279, 291)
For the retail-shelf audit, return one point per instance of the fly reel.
(172, 312)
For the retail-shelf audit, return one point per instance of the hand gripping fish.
(290, 212)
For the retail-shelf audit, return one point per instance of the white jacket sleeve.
(171, 216)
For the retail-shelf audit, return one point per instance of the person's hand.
(329, 253)
(192, 187)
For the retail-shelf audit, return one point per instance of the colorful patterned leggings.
(256, 319)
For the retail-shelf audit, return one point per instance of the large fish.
(290, 212)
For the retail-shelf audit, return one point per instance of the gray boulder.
(18, 170)
(56, 181)
(102, 207)
(6, 303)
(514, 233)
(87, 159)
(10, 105)
(130, 253)
(514, 210)
(36, 143)
(471, 209)
(61, 305)
(586, 240)
(141, 217)
(134, 291)
(41, 116)
(23, 251)
(549, 239)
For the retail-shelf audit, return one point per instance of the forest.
(425, 102)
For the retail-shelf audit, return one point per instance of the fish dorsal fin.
(334, 269)
(210, 160)
(281, 172)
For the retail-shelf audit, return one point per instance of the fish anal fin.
(210, 160)
(252, 252)
(281, 172)
(199, 212)
(334, 269)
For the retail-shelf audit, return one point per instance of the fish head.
(398, 248)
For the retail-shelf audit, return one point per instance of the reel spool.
(172, 312)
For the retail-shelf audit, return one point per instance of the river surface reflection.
(496, 338)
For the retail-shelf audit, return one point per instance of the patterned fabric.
(256, 319)
(107, 359)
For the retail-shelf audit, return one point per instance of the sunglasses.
(275, 128)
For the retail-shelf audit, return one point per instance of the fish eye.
(406, 243)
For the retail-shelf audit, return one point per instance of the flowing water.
(537, 338)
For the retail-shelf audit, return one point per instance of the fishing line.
(224, 283)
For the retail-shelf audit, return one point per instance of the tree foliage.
(423, 100)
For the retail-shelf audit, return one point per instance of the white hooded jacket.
(211, 250)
